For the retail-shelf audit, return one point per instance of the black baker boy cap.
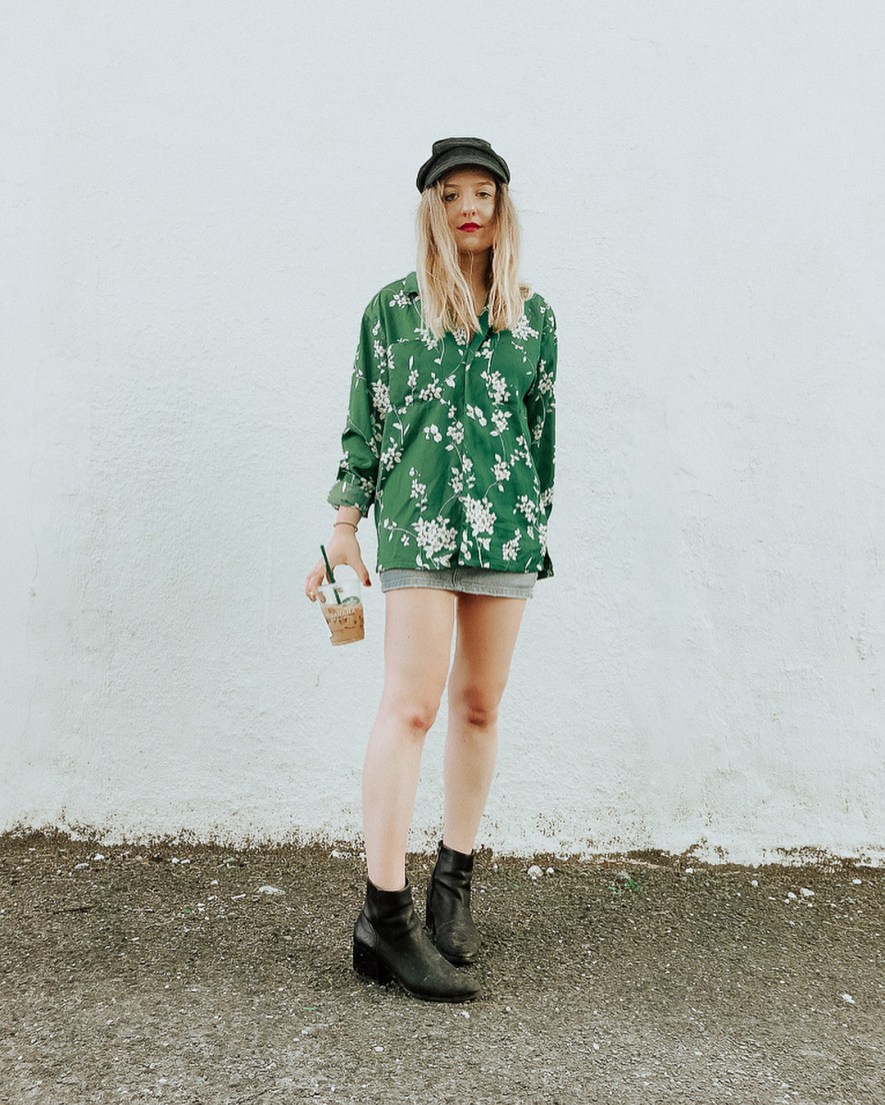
(449, 153)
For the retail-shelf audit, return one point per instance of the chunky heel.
(391, 944)
(366, 963)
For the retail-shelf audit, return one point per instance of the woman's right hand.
(342, 548)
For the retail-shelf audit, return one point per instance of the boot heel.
(390, 945)
(367, 964)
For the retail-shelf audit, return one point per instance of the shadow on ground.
(164, 974)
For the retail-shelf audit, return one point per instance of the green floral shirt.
(452, 439)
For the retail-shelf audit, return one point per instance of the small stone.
(335, 854)
(464, 1013)
(80, 866)
(378, 1048)
(549, 870)
(494, 867)
(214, 882)
(856, 882)
(98, 857)
(791, 897)
(848, 999)
(270, 890)
(754, 882)
(805, 892)
(534, 872)
(689, 870)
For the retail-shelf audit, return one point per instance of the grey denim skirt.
(469, 581)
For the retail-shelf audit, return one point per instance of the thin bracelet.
(344, 524)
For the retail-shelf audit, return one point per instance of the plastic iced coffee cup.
(342, 608)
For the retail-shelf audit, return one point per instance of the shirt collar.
(410, 287)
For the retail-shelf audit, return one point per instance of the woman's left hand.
(343, 548)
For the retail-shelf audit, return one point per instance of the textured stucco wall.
(199, 199)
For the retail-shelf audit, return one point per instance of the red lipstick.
(469, 226)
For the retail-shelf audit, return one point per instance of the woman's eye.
(449, 196)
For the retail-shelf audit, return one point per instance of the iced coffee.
(343, 610)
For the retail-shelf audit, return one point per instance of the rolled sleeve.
(369, 398)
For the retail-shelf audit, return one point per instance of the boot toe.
(391, 944)
(458, 947)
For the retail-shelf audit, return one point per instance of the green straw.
(330, 574)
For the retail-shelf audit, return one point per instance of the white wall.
(199, 199)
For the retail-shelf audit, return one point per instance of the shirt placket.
(469, 356)
(469, 424)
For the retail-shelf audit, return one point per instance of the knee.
(478, 707)
(415, 715)
(420, 716)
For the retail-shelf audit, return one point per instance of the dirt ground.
(163, 973)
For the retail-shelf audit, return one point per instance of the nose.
(468, 205)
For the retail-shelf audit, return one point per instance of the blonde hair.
(446, 298)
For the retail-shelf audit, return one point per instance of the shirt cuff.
(348, 492)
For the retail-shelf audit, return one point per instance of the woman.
(450, 434)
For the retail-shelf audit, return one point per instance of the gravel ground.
(163, 973)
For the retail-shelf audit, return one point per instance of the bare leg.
(417, 646)
(487, 632)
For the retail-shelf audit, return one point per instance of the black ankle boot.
(389, 942)
(448, 907)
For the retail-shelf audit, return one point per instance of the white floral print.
(510, 549)
(435, 536)
(497, 388)
(501, 471)
(452, 439)
(480, 516)
(499, 421)
(433, 390)
(426, 336)
(381, 398)
(522, 330)
(455, 431)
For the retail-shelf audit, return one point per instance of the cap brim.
(456, 159)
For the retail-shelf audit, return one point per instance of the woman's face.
(469, 199)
